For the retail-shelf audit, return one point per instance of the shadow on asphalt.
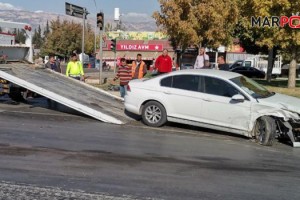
(206, 130)
(133, 116)
(183, 127)
(41, 102)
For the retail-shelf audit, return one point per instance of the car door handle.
(167, 92)
(208, 100)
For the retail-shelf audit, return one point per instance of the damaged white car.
(218, 100)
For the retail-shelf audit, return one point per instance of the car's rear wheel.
(154, 114)
(265, 129)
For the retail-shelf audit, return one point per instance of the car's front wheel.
(265, 129)
(154, 114)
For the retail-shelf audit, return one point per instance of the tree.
(284, 38)
(47, 29)
(65, 37)
(248, 36)
(34, 37)
(108, 27)
(20, 35)
(37, 39)
(198, 22)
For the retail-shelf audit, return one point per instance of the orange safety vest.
(141, 69)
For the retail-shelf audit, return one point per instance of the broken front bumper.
(293, 131)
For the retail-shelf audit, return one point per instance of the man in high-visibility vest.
(139, 68)
(74, 68)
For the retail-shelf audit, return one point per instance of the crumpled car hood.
(282, 101)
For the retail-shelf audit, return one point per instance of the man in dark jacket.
(53, 64)
(221, 64)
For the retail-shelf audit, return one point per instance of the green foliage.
(65, 37)
(280, 86)
(37, 38)
(198, 22)
(108, 27)
(262, 38)
(47, 29)
(20, 36)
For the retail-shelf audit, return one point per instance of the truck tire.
(154, 114)
(16, 96)
(265, 129)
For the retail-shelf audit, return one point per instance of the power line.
(95, 4)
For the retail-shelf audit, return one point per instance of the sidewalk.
(93, 79)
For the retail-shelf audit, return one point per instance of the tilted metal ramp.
(70, 92)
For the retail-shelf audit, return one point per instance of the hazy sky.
(107, 6)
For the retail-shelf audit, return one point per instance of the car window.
(247, 63)
(166, 82)
(252, 87)
(219, 87)
(239, 69)
(186, 82)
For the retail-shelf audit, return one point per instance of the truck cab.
(12, 52)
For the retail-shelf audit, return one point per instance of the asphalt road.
(51, 152)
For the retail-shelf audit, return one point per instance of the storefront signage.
(139, 47)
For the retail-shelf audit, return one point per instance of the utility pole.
(80, 12)
(83, 32)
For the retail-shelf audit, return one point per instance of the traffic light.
(100, 20)
(113, 45)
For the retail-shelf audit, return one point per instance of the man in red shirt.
(163, 63)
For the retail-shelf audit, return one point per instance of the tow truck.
(18, 73)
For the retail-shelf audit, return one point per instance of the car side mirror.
(238, 98)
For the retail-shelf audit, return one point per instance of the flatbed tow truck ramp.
(72, 93)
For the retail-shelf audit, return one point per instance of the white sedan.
(218, 100)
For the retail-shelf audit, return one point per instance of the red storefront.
(129, 49)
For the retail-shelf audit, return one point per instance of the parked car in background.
(250, 72)
(187, 66)
(237, 63)
(260, 62)
(218, 100)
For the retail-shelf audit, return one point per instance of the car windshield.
(252, 87)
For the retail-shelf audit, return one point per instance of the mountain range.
(131, 21)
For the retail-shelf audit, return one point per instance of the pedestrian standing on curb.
(53, 64)
(138, 67)
(125, 75)
(74, 68)
(202, 60)
(163, 63)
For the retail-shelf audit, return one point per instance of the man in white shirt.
(201, 59)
